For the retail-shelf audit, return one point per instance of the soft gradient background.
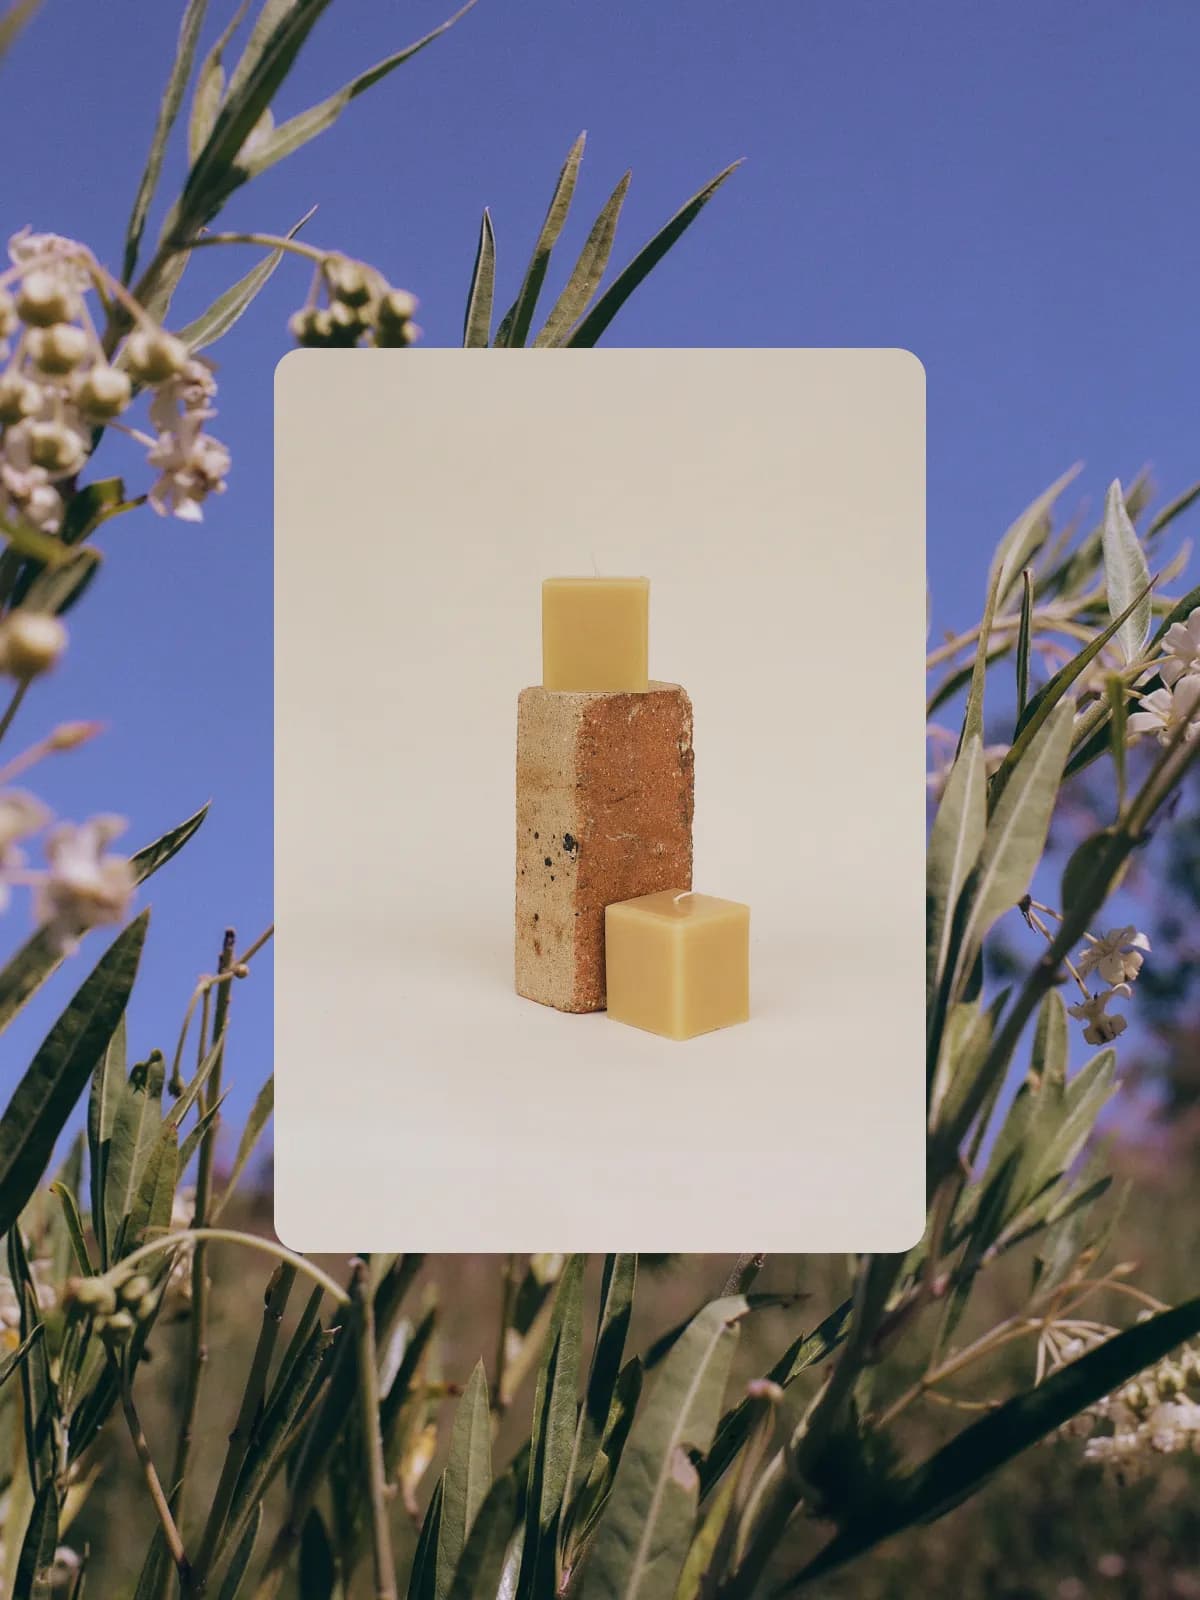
(1009, 191)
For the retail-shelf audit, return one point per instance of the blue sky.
(1008, 191)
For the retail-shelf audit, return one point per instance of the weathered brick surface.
(604, 813)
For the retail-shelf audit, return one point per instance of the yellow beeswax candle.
(595, 633)
(678, 963)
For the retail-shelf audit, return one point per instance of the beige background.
(776, 500)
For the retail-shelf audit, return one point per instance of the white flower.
(85, 887)
(20, 815)
(191, 470)
(1101, 1028)
(1181, 649)
(1165, 711)
(10, 1304)
(1117, 957)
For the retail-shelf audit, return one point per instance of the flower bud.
(347, 282)
(398, 337)
(44, 300)
(1169, 1380)
(1190, 1363)
(241, 970)
(344, 323)
(154, 355)
(146, 1307)
(58, 450)
(1134, 1396)
(93, 1295)
(133, 1289)
(30, 643)
(18, 398)
(397, 306)
(119, 1328)
(70, 735)
(58, 349)
(103, 391)
(310, 327)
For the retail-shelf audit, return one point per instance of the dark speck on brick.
(536, 835)
(570, 843)
(549, 863)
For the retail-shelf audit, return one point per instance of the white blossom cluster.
(83, 883)
(57, 384)
(1174, 708)
(1156, 1413)
(1116, 959)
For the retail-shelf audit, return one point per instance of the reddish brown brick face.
(604, 813)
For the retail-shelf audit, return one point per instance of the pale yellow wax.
(677, 963)
(595, 633)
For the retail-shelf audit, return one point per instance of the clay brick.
(604, 813)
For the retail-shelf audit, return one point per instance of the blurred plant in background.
(712, 1438)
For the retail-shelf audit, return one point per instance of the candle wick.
(682, 895)
(595, 563)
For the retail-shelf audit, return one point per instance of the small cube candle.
(678, 963)
(595, 633)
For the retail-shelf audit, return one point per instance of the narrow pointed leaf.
(960, 1467)
(477, 1576)
(1126, 574)
(18, 16)
(108, 1089)
(228, 308)
(593, 325)
(519, 317)
(1016, 833)
(317, 1571)
(172, 100)
(477, 323)
(134, 1134)
(554, 1408)
(74, 1225)
(1026, 536)
(291, 135)
(587, 273)
(10, 1363)
(210, 86)
(643, 1539)
(467, 1478)
(616, 1307)
(424, 1566)
(1024, 639)
(39, 1410)
(239, 1562)
(260, 1115)
(955, 841)
(34, 1569)
(46, 1095)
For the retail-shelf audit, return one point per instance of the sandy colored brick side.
(604, 813)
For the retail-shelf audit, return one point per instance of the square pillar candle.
(595, 634)
(678, 963)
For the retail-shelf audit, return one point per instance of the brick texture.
(604, 813)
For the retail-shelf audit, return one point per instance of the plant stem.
(274, 1305)
(252, 1241)
(170, 1530)
(743, 1273)
(198, 1352)
(14, 705)
(372, 1440)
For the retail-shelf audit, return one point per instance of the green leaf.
(108, 1091)
(954, 1473)
(477, 1575)
(553, 1434)
(1016, 832)
(955, 841)
(593, 325)
(57, 589)
(135, 1132)
(1163, 519)
(172, 100)
(1050, 694)
(467, 1478)
(424, 1566)
(477, 322)
(704, 1546)
(291, 135)
(10, 1362)
(643, 1540)
(588, 1506)
(616, 1307)
(46, 1095)
(90, 506)
(229, 308)
(74, 1226)
(210, 86)
(239, 1562)
(33, 1581)
(260, 1115)
(1024, 639)
(519, 317)
(200, 1128)
(150, 1213)
(152, 856)
(1126, 575)
(1026, 536)
(40, 1408)
(587, 273)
